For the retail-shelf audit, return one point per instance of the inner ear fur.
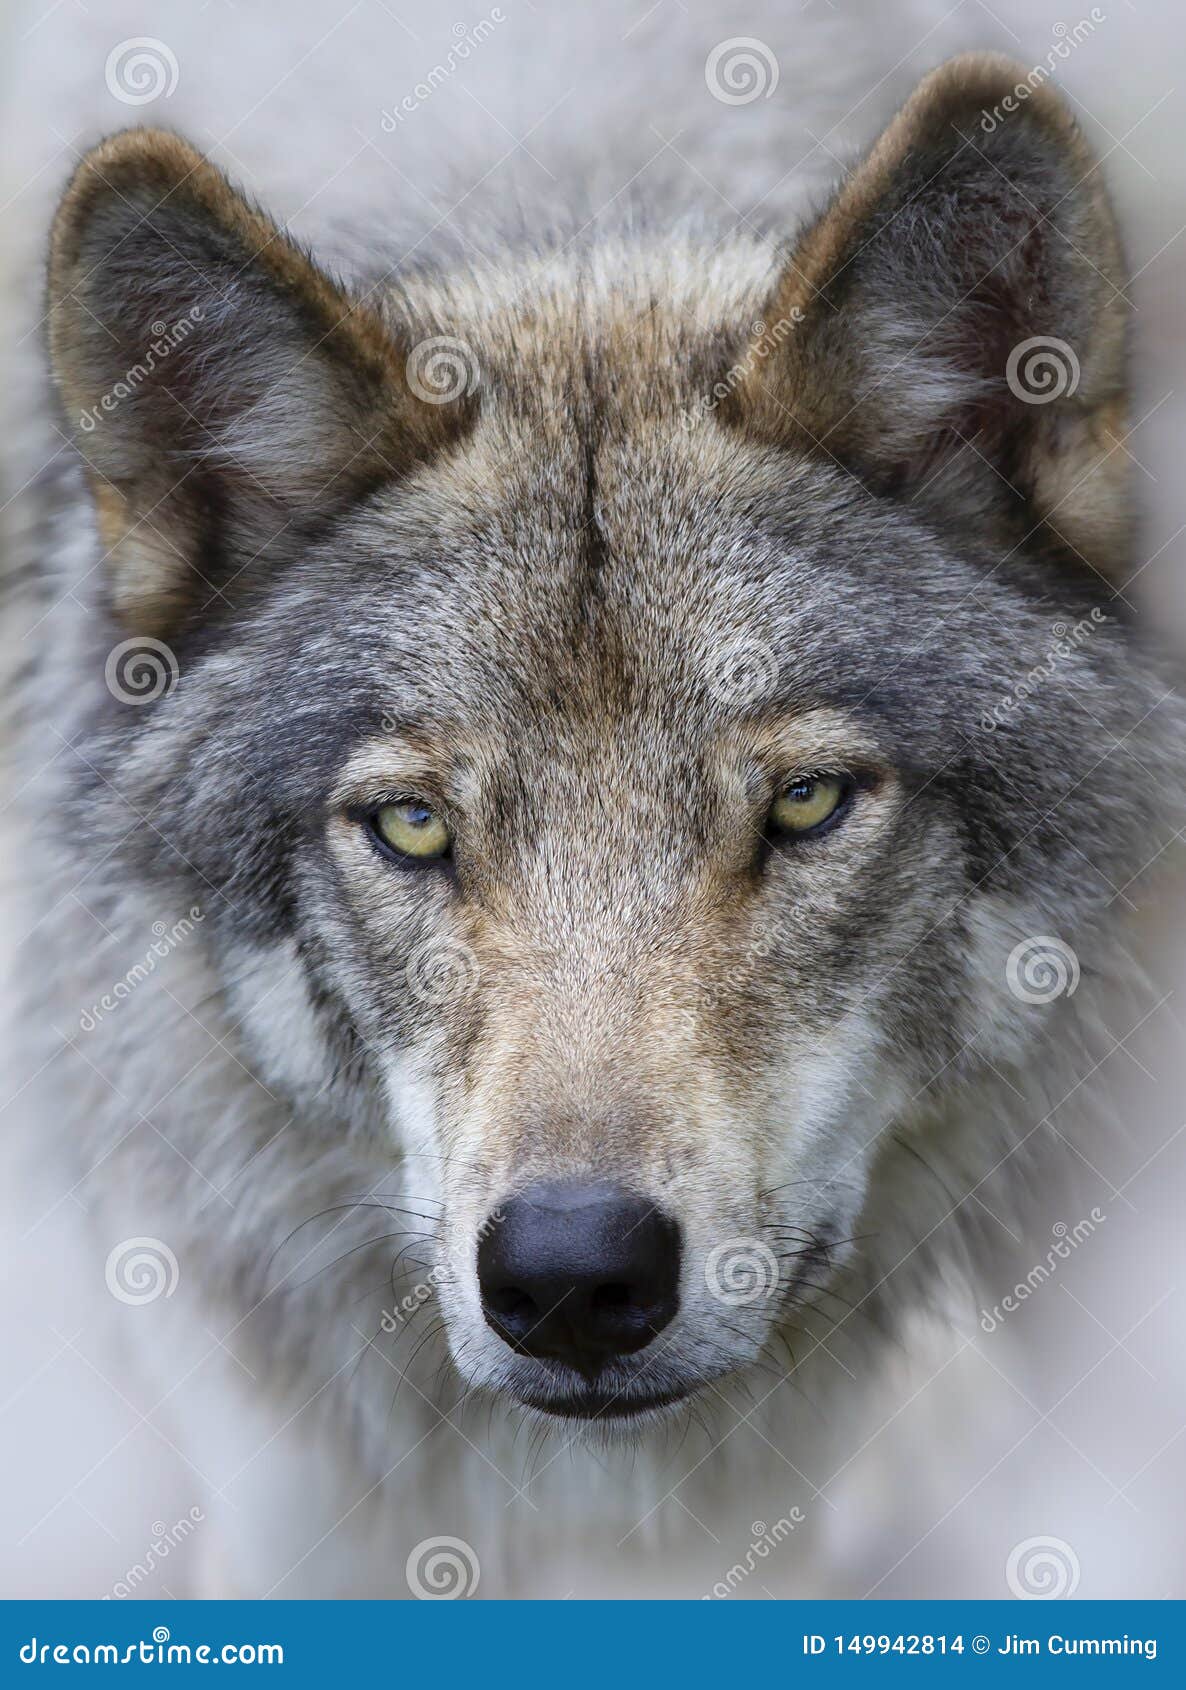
(977, 223)
(221, 387)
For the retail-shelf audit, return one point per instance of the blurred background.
(1061, 1418)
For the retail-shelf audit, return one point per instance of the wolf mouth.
(608, 1406)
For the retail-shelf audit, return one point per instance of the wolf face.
(590, 709)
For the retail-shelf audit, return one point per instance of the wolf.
(625, 737)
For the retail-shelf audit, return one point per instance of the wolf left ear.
(221, 388)
(952, 327)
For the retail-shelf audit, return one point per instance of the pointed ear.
(222, 389)
(952, 327)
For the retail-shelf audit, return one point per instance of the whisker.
(425, 1338)
(367, 1243)
(336, 1209)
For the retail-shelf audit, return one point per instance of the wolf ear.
(952, 327)
(220, 387)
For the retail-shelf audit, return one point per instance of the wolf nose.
(578, 1272)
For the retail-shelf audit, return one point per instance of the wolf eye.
(808, 803)
(410, 829)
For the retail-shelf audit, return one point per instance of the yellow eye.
(411, 829)
(808, 802)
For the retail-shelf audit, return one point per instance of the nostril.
(613, 1297)
(511, 1304)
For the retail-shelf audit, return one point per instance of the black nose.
(581, 1273)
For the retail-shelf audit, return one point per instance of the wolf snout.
(579, 1272)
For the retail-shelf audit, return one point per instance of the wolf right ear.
(952, 327)
(221, 387)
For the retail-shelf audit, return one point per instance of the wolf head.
(645, 707)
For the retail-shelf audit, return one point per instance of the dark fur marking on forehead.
(595, 548)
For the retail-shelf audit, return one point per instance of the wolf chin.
(612, 728)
